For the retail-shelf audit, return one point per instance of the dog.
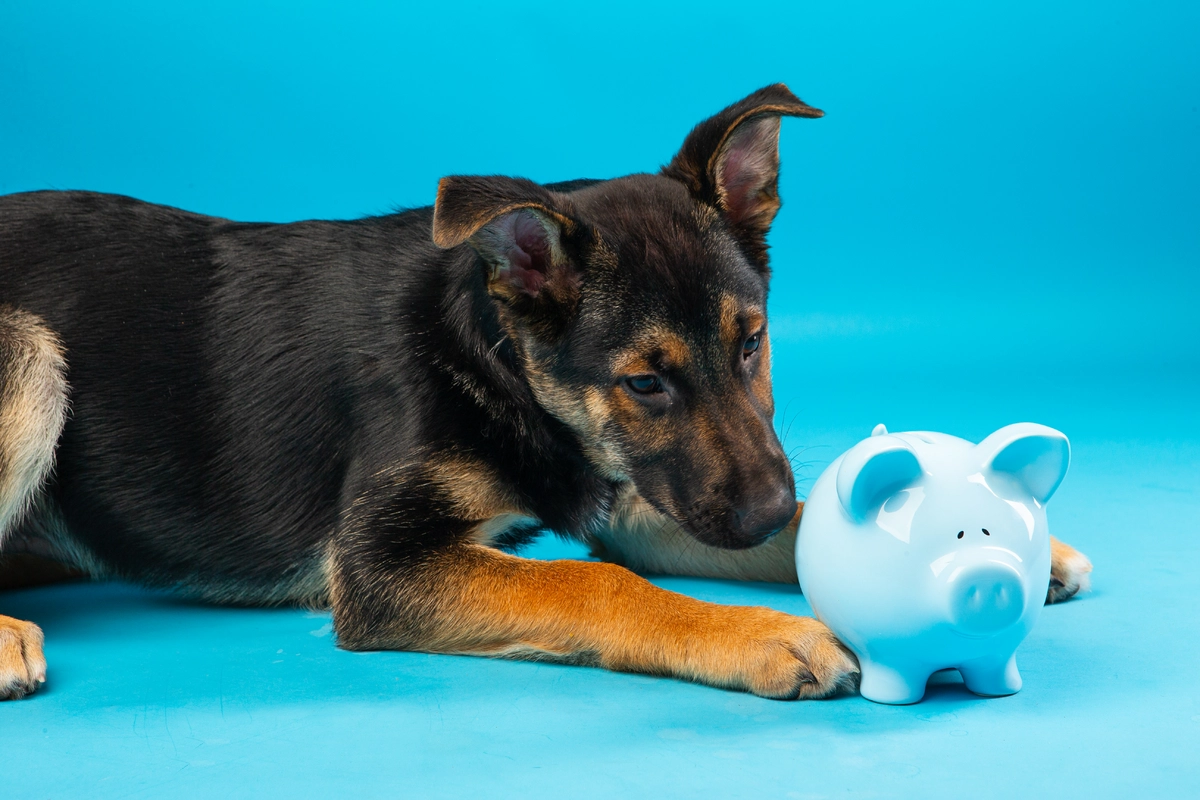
(373, 415)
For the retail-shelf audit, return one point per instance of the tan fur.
(474, 488)
(565, 403)
(22, 665)
(735, 322)
(655, 343)
(653, 436)
(647, 542)
(33, 409)
(490, 603)
(478, 494)
(761, 385)
(729, 324)
(586, 411)
(705, 216)
(1069, 572)
(603, 452)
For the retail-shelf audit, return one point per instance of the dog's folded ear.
(731, 162)
(518, 228)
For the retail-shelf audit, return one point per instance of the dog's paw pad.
(22, 664)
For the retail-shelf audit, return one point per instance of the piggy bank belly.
(909, 603)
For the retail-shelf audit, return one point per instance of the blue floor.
(996, 221)
(153, 697)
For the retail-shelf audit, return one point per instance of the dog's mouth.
(719, 528)
(722, 525)
(733, 540)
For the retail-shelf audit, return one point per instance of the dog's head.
(637, 307)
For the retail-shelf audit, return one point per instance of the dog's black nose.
(767, 515)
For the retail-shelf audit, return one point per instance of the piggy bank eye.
(985, 531)
(960, 534)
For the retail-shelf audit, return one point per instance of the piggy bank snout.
(986, 598)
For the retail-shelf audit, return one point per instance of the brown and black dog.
(371, 415)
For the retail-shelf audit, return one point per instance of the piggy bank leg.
(992, 677)
(895, 685)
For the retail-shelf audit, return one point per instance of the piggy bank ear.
(874, 470)
(1035, 455)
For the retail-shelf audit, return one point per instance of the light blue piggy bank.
(922, 551)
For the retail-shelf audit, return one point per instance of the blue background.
(998, 219)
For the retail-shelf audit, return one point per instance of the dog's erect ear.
(516, 227)
(731, 161)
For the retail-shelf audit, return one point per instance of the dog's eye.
(751, 345)
(644, 384)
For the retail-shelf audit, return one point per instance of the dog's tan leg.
(22, 665)
(650, 543)
(33, 407)
(1069, 572)
(411, 568)
(476, 600)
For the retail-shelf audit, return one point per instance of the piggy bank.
(922, 551)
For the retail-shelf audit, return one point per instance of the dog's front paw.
(783, 657)
(22, 665)
(1069, 572)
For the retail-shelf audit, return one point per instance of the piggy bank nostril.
(960, 534)
(985, 531)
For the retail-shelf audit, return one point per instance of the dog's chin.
(727, 540)
(709, 531)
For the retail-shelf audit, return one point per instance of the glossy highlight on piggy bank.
(923, 551)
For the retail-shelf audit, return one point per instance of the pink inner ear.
(529, 254)
(749, 163)
(741, 184)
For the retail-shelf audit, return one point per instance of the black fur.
(235, 385)
(248, 400)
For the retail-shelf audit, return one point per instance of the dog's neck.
(543, 453)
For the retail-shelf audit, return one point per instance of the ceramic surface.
(923, 551)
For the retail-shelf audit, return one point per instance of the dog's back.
(216, 362)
